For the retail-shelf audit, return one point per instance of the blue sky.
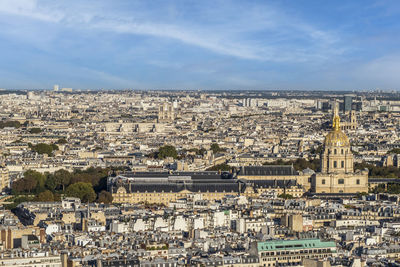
(207, 44)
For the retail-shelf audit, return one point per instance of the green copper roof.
(294, 244)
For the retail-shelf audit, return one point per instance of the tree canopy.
(167, 151)
(81, 190)
(35, 130)
(14, 124)
(220, 167)
(216, 148)
(105, 197)
(378, 171)
(43, 148)
(45, 196)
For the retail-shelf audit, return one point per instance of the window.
(358, 181)
(334, 151)
(341, 181)
(323, 181)
(342, 151)
(335, 164)
(342, 164)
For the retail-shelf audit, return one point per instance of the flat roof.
(294, 244)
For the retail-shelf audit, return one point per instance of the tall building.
(166, 113)
(348, 101)
(337, 173)
(56, 87)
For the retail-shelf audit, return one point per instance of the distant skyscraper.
(348, 101)
(56, 87)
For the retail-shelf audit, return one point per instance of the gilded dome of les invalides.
(336, 138)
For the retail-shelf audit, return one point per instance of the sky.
(207, 44)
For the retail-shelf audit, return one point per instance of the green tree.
(13, 124)
(105, 197)
(54, 147)
(38, 177)
(215, 148)
(61, 141)
(24, 185)
(167, 151)
(51, 183)
(81, 190)
(220, 167)
(42, 148)
(285, 196)
(44, 196)
(62, 178)
(35, 130)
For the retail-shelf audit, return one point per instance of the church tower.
(337, 174)
(336, 156)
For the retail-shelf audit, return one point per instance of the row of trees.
(378, 171)
(391, 189)
(220, 167)
(84, 184)
(170, 151)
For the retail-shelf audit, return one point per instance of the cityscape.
(173, 133)
(174, 178)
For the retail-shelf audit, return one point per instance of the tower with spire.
(337, 172)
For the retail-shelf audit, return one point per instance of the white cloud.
(226, 38)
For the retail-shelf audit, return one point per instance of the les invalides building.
(337, 172)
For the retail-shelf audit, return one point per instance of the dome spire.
(336, 118)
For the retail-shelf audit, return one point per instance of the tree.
(81, 190)
(45, 196)
(38, 177)
(285, 196)
(215, 148)
(51, 183)
(62, 178)
(220, 167)
(35, 130)
(61, 141)
(43, 148)
(105, 197)
(54, 147)
(167, 151)
(26, 184)
(12, 124)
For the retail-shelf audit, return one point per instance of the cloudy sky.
(207, 44)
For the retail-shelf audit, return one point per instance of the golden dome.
(336, 138)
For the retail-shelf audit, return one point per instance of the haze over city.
(352, 45)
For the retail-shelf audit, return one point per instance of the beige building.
(337, 173)
(4, 178)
